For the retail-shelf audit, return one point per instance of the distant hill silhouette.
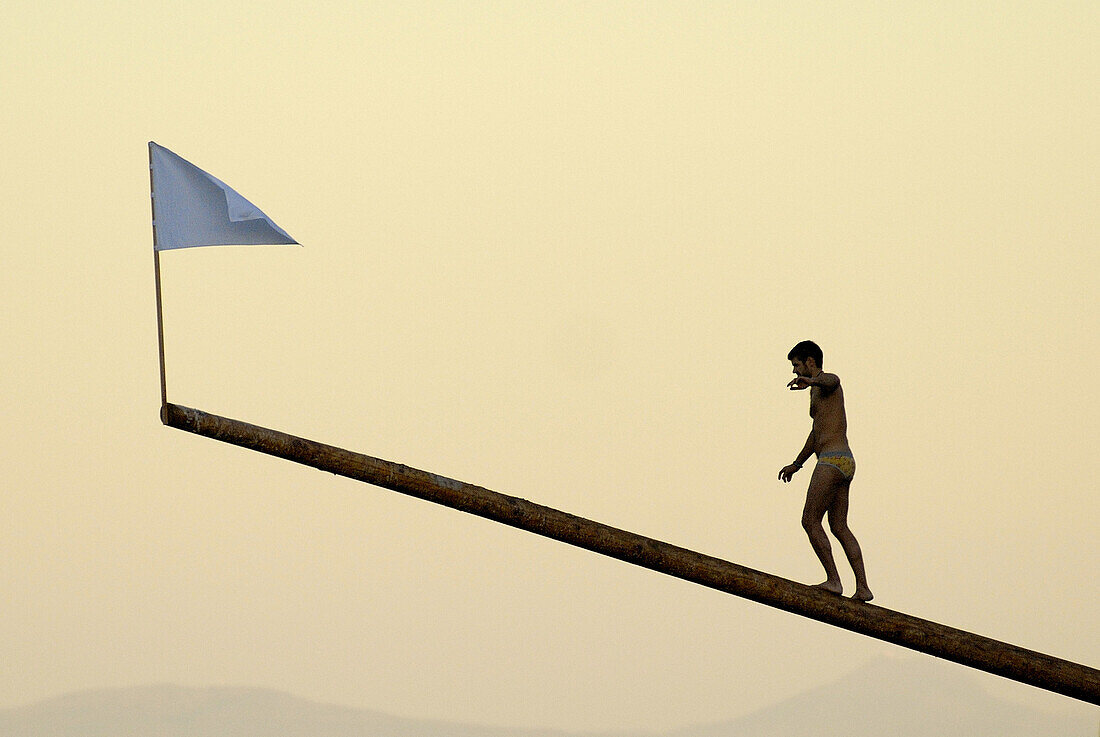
(899, 698)
(905, 698)
(173, 711)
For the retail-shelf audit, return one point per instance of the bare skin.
(828, 489)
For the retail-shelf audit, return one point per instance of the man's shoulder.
(831, 384)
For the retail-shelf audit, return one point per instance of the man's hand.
(798, 383)
(788, 471)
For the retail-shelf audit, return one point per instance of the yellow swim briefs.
(841, 460)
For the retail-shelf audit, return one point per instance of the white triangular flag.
(193, 208)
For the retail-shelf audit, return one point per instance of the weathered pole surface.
(975, 651)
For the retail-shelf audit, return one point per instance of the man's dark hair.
(806, 349)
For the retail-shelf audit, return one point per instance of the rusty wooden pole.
(975, 651)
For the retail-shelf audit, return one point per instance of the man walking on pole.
(832, 476)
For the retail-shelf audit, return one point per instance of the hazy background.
(559, 250)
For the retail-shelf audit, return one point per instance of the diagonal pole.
(156, 277)
(976, 651)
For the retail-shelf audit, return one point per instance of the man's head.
(805, 358)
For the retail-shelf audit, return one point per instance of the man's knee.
(839, 528)
(811, 521)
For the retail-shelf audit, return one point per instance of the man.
(832, 476)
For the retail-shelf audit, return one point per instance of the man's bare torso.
(830, 421)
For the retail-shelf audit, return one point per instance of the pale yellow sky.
(559, 250)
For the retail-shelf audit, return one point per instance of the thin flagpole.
(156, 275)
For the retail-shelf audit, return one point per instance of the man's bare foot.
(863, 594)
(833, 587)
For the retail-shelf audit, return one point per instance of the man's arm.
(827, 383)
(807, 451)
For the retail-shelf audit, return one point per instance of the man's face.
(802, 368)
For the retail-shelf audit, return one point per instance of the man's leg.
(838, 523)
(819, 498)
